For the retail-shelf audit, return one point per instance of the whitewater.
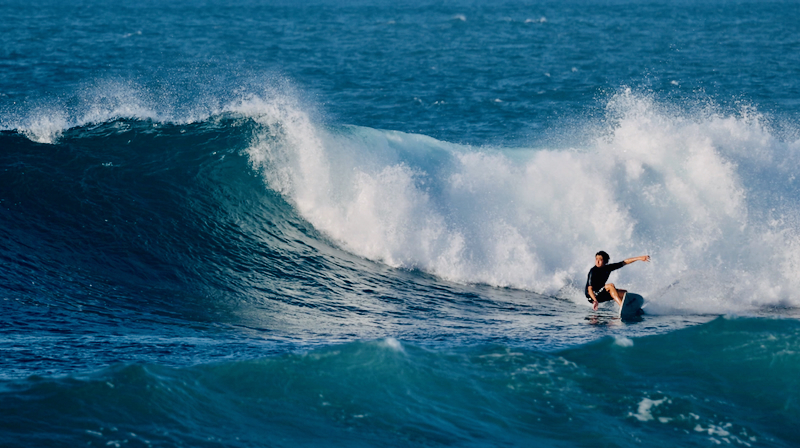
(370, 224)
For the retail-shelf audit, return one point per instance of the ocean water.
(369, 223)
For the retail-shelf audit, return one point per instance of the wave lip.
(105, 101)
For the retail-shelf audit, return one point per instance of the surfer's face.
(598, 261)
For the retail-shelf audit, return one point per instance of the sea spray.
(656, 180)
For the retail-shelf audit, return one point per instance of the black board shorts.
(602, 296)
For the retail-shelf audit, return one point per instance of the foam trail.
(704, 193)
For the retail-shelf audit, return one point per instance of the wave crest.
(690, 188)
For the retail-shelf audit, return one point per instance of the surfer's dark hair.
(603, 254)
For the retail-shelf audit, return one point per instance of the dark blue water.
(369, 224)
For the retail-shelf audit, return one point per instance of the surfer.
(597, 290)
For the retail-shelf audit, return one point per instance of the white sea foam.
(711, 197)
(394, 344)
(644, 411)
(44, 126)
(539, 20)
(622, 341)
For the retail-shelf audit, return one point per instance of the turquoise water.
(733, 382)
(369, 223)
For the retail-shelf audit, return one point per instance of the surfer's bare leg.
(616, 294)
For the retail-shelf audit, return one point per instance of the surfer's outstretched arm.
(641, 258)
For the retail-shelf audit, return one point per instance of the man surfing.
(597, 290)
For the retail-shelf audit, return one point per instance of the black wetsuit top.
(599, 276)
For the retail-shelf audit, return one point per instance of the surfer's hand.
(594, 304)
(645, 257)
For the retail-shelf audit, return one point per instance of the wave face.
(733, 383)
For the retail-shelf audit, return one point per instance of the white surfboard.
(631, 305)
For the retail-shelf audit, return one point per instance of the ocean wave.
(711, 196)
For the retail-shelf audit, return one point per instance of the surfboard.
(631, 305)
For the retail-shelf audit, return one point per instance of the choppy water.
(283, 224)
